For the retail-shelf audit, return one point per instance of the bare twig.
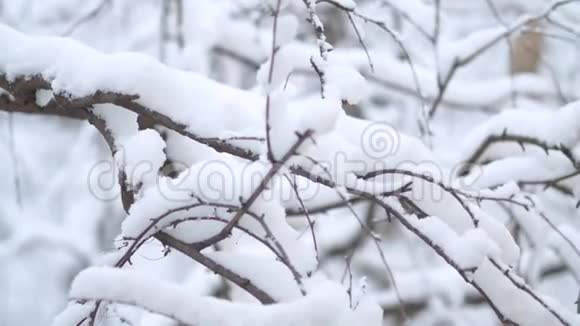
(551, 182)
(454, 192)
(371, 234)
(525, 288)
(380, 24)
(519, 139)
(323, 208)
(409, 19)
(496, 15)
(460, 62)
(306, 213)
(196, 255)
(127, 193)
(92, 14)
(323, 46)
(254, 196)
(24, 89)
(274, 50)
(14, 157)
(443, 255)
(360, 40)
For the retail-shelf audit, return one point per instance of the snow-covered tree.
(289, 162)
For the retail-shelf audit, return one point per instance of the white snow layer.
(207, 108)
(130, 287)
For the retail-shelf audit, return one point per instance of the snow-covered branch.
(303, 213)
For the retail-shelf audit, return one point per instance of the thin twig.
(14, 157)
(519, 139)
(323, 46)
(380, 24)
(306, 213)
(257, 192)
(92, 14)
(360, 40)
(496, 15)
(457, 63)
(196, 255)
(274, 50)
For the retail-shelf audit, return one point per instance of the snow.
(380, 145)
(345, 83)
(71, 315)
(141, 156)
(525, 168)
(464, 49)
(509, 249)
(286, 59)
(420, 11)
(267, 274)
(120, 123)
(506, 190)
(319, 115)
(348, 4)
(462, 92)
(468, 250)
(43, 96)
(138, 153)
(289, 118)
(554, 128)
(287, 29)
(566, 248)
(501, 291)
(417, 285)
(77, 70)
(240, 37)
(169, 299)
(267, 248)
(234, 180)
